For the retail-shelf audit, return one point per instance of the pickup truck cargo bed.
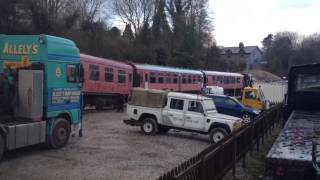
(294, 145)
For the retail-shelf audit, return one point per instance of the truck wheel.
(163, 129)
(246, 118)
(1, 146)
(217, 134)
(60, 133)
(149, 126)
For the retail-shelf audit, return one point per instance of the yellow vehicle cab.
(254, 98)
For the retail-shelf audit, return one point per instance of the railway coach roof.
(166, 69)
(99, 60)
(217, 73)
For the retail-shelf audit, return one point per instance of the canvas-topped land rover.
(157, 111)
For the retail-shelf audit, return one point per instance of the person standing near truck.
(120, 103)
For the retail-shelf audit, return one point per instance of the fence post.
(244, 160)
(234, 157)
(203, 169)
(263, 129)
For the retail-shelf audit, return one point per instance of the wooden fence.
(216, 160)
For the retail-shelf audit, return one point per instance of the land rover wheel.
(246, 118)
(60, 133)
(1, 146)
(149, 126)
(217, 134)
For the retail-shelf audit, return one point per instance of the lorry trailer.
(291, 155)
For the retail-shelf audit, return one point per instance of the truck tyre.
(60, 133)
(163, 129)
(1, 146)
(246, 118)
(149, 126)
(217, 134)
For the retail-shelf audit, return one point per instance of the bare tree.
(134, 12)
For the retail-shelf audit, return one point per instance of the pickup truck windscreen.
(307, 82)
(209, 106)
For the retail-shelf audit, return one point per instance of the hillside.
(262, 75)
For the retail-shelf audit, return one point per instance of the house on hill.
(251, 55)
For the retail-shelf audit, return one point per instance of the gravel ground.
(108, 150)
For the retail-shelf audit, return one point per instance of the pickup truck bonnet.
(216, 115)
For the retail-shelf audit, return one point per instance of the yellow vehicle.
(254, 98)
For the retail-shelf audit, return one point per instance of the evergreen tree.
(127, 33)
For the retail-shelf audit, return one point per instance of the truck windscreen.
(209, 106)
(308, 82)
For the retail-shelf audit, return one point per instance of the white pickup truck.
(158, 111)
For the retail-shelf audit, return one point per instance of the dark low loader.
(291, 156)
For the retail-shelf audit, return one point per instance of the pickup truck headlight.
(237, 125)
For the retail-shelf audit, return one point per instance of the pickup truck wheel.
(1, 146)
(163, 129)
(246, 118)
(217, 134)
(149, 126)
(60, 133)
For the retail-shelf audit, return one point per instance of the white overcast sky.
(249, 21)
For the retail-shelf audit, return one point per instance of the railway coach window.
(219, 79)
(189, 79)
(152, 78)
(160, 80)
(108, 76)
(184, 79)
(121, 76)
(175, 79)
(94, 72)
(168, 79)
(238, 79)
(213, 78)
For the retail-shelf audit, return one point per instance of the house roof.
(235, 50)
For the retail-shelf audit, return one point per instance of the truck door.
(194, 116)
(175, 113)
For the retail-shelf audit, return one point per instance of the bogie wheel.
(217, 134)
(149, 126)
(246, 118)
(1, 146)
(163, 129)
(60, 133)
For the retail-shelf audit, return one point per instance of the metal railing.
(216, 160)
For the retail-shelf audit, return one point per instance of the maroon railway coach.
(167, 78)
(105, 80)
(232, 83)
